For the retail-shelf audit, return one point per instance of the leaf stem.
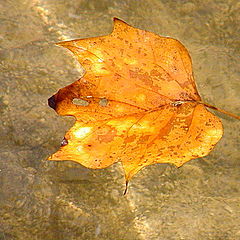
(220, 110)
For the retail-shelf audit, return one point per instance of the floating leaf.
(136, 104)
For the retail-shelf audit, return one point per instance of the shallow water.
(50, 200)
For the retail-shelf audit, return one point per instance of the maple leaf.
(137, 103)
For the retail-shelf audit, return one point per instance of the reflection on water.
(50, 200)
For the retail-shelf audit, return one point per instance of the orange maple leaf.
(137, 103)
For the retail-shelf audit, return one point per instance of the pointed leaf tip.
(126, 188)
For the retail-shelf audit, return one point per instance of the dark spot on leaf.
(52, 102)
(64, 142)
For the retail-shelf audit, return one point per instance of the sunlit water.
(50, 200)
